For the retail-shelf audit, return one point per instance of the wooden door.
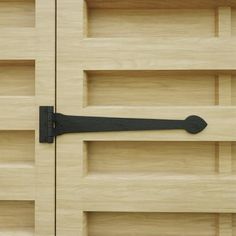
(147, 59)
(27, 80)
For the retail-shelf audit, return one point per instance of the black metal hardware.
(54, 124)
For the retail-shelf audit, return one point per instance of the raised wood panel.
(150, 224)
(17, 78)
(151, 157)
(109, 23)
(17, 148)
(17, 182)
(18, 44)
(17, 13)
(18, 113)
(151, 88)
(17, 218)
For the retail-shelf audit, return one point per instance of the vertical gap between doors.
(55, 219)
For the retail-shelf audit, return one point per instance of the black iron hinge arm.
(54, 124)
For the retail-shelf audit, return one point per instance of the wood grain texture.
(233, 149)
(150, 224)
(225, 227)
(17, 147)
(17, 13)
(17, 78)
(112, 23)
(234, 224)
(122, 158)
(44, 95)
(17, 113)
(17, 218)
(150, 88)
(27, 80)
(17, 182)
(224, 22)
(105, 180)
(233, 17)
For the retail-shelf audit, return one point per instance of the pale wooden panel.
(17, 78)
(17, 147)
(17, 113)
(17, 182)
(151, 157)
(17, 13)
(18, 43)
(159, 3)
(151, 23)
(17, 218)
(234, 22)
(159, 53)
(133, 192)
(156, 193)
(150, 88)
(27, 81)
(150, 224)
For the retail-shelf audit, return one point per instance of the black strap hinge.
(54, 124)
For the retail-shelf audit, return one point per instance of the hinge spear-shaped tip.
(194, 124)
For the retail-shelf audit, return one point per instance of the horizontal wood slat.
(17, 183)
(156, 54)
(158, 193)
(19, 43)
(17, 113)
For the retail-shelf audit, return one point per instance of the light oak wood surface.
(150, 59)
(27, 80)
(133, 58)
